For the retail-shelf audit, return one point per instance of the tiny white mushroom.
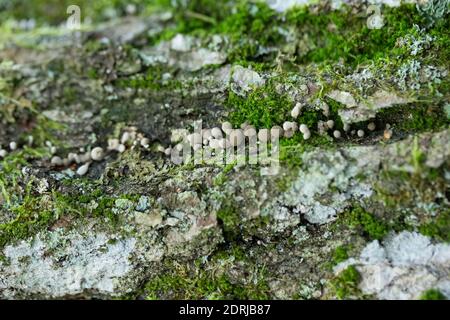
(30, 140)
(226, 127)
(295, 112)
(56, 161)
(287, 125)
(303, 128)
(325, 109)
(294, 126)
(3, 153)
(360, 133)
(322, 127)
(125, 137)
(168, 151)
(145, 142)
(387, 134)
(330, 124)
(85, 157)
(71, 157)
(13, 145)
(307, 135)
(337, 134)
(244, 125)
(83, 169)
(160, 148)
(216, 133)
(53, 150)
(179, 147)
(206, 133)
(276, 132)
(121, 148)
(113, 144)
(77, 158)
(371, 126)
(289, 133)
(250, 132)
(97, 154)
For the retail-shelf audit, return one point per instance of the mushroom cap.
(276, 131)
(295, 112)
(97, 154)
(337, 134)
(57, 161)
(81, 171)
(303, 128)
(330, 124)
(13, 145)
(216, 133)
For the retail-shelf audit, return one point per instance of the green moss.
(291, 149)
(417, 117)
(371, 226)
(439, 228)
(340, 254)
(417, 156)
(151, 79)
(54, 11)
(325, 36)
(399, 189)
(33, 212)
(263, 107)
(258, 22)
(197, 282)
(29, 219)
(252, 19)
(342, 35)
(433, 294)
(221, 178)
(284, 181)
(334, 113)
(345, 285)
(81, 204)
(231, 250)
(178, 286)
(229, 218)
(13, 162)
